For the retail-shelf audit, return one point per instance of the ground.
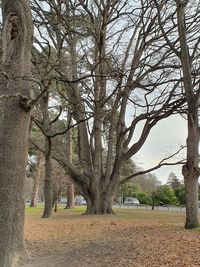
(132, 238)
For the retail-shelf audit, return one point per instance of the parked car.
(63, 201)
(131, 201)
(83, 202)
(80, 201)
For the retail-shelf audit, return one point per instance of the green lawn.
(125, 214)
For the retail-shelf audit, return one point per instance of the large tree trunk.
(191, 169)
(36, 180)
(191, 173)
(100, 202)
(14, 126)
(99, 205)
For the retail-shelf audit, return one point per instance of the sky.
(165, 139)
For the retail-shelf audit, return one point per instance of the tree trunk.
(191, 169)
(55, 205)
(191, 187)
(36, 180)
(70, 187)
(70, 195)
(191, 173)
(102, 205)
(99, 202)
(14, 126)
(48, 194)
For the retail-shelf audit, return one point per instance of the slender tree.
(17, 37)
(183, 39)
(36, 184)
(191, 169)
(70, 186)
(48, 194)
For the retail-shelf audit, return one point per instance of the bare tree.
(16, 47)
(182, 37)
(191, 169)
(115, 65)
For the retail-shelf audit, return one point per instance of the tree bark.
(48, 193)
(14, 126)
(191, 173)
(36, 180)
(191, 169)
(99, 205)
(55, 205)
(70, 185)
(70, 195)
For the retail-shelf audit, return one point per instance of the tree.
(173, 181)
(36, 177)
(191, 169)
(164, 194)
(111, 76)
(185, 21)
(69, 149)
(59, 182)
(17, 36)
(129, 190)
(180, 194)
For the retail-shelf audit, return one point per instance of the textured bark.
(191, 186)
(191, 173)
(70, 195)
(70, 185)
(14, 126)
(36, 180)
(191, 169)
(99, 205)
(48, 194)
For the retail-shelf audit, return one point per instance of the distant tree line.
(170, 193)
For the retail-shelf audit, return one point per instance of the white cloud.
(164, 139)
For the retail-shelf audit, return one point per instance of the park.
(132, 237)
(84, 86)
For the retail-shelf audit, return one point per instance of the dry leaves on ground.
(134, 238)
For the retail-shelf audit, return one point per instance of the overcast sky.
(164, 139)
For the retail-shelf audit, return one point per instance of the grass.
(124, 214)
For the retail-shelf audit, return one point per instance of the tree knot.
(25, 103)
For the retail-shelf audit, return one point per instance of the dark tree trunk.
(70, 195)
(55, 205)
(48, 194)
(36, 181)
(14, 126)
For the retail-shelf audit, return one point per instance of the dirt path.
(72, 240)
